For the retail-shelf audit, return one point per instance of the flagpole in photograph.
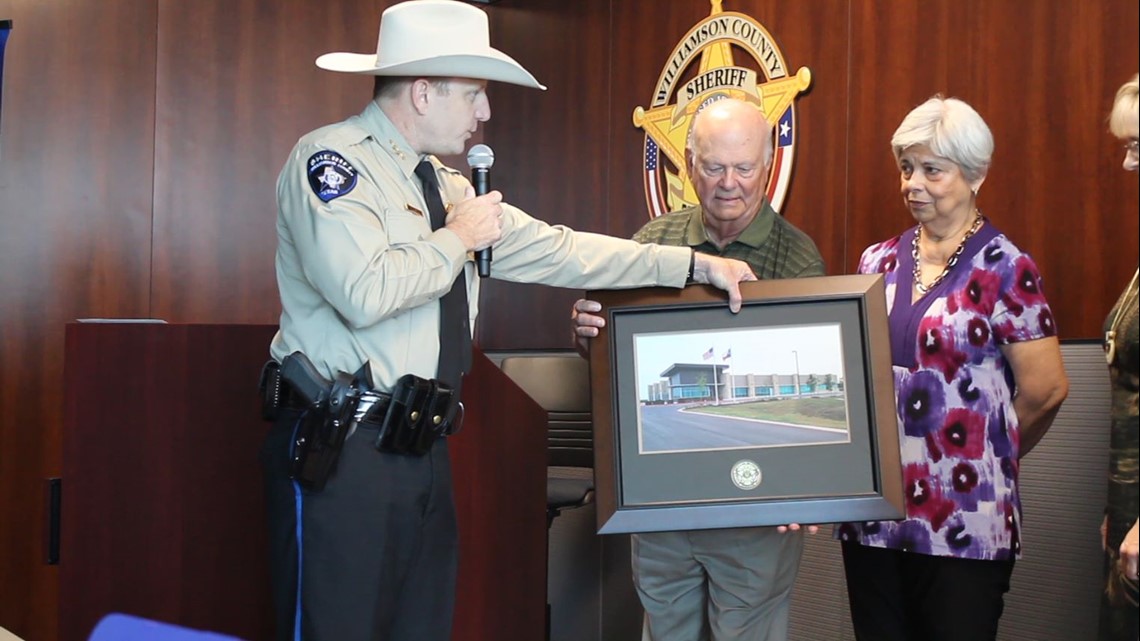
(796, 355)
(716, 385)
(710, 355)
(726, 357)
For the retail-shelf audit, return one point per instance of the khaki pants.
(716, 585)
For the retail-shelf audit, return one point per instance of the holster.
(321, 433)
(327, 410)
(420, 411)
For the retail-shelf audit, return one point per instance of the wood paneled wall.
(141, 140)
(1042, 74)
(76, 186)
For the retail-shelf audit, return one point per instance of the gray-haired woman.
(968, 324)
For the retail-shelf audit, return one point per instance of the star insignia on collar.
(396, 149)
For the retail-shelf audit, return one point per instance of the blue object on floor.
(124, 627)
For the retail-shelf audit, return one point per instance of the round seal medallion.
(745, 475)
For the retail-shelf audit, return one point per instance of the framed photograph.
(782, 413)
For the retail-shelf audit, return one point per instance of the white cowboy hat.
(433, 38)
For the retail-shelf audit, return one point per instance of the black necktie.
(454, 331)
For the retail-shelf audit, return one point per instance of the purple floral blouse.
(954, 396)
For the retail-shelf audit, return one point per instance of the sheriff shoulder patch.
(330, 175)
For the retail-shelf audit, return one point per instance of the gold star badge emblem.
(717, 75)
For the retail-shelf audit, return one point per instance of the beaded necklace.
(923, 289)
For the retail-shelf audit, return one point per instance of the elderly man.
(728, 583)
(374, 268)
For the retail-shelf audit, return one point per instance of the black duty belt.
(373, 419)
(407, 421)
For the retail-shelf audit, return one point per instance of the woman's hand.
(1129, 551)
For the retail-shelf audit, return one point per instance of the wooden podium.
(162, 514)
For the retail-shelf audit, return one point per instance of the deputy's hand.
(584, 319)
(477, 220)
(725, 273)
(1128, 553)
(795, 527)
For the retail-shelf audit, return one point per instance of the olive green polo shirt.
(771, 245)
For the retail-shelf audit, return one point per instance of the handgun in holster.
(328, 409)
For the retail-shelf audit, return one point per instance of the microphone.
(480, 159)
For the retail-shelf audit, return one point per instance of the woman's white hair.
(952, 130)
(1125, 116)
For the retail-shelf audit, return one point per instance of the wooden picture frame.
(753, 442)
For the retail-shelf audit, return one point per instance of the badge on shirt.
(330, 175)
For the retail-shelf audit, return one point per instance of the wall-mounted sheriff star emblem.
(666, 122)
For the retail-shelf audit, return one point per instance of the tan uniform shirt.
(361, 275)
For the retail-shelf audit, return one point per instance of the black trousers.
(902, 596)
(373, 556)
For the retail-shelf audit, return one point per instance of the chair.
(124, 627)
(560, 384)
